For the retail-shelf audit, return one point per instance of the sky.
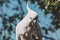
(44, 19)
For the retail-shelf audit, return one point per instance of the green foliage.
(52, 6)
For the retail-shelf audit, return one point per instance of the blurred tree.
(52, 6)
(9, 22)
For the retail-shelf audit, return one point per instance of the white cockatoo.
(23, 26)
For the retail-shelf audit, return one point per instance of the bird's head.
(31, 12)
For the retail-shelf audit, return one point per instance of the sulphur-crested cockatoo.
(24, 23)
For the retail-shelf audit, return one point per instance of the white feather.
(21, 26)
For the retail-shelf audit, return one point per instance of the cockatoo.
(23, 27)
